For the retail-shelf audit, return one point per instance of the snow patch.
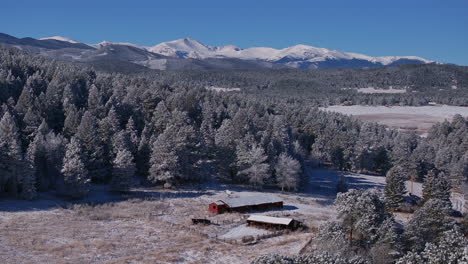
(441, 111)
(244, 230)
(221, 89)
(372, 90)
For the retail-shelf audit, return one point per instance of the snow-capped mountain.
(295, 56)
(60, 38)
(189, 54)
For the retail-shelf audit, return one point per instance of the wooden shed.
(246, 203)
(218, 207)
(270, 222)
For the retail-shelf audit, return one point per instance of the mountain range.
(189, 54)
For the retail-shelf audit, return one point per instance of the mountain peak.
(60, 38)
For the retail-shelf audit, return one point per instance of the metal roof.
(270, 219)
(250, 200)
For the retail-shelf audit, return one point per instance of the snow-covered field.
(409, 118)
(372, 90)
(222, 89)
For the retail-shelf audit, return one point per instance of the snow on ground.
(155, 64)
(372, 90)
(244, 230)
(408, 118)
(221, 89)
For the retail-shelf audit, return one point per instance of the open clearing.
(156, 227)
(408, 118)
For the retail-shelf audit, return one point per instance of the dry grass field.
(407, 118)
(157, 228)
(134, 231)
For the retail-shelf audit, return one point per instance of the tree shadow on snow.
(97, 196)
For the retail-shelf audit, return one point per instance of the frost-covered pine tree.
(11, 159)
(142, 156)
(361, 214)
(436, 186)
(411, 258)
(121, 140)
(252, 164)
(72, 121)
(93, 149)
(123, 171)
(428, 224)
(164, 160)
(28, 184)
(225, 150)
(451, 248)
(287, 172)
(76, 179)
(31, 123)
(395, 188)
(131, 130)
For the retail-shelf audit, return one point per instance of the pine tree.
(93, 148)
(164, 160)
(427, 224)
(436, 186)
(287, 172)
(206, 128)
(11, 154)
(450, 249)
(72, 121)
(225, 152)
(133, 135)
(95, 104)
(252, 164)
(25, 101)
(36, 158)
(31, 123)
(121, 140)
(361, 214)
(76, 179)
(123, 171)
(143, 154)
(395, 188)
(28, 183)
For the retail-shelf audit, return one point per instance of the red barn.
(218, 207)
(244, 204)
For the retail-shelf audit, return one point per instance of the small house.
(270, 222)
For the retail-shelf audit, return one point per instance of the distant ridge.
(189, 54)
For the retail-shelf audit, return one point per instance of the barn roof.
(270, 219)
(251, 200)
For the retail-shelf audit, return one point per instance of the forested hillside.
(424, 83)
(64, 126)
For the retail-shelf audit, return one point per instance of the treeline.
(64, 126)
(444, 84)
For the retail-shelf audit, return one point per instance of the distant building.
(245, 204)
(270, 222)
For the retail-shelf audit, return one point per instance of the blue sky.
(431, 29)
